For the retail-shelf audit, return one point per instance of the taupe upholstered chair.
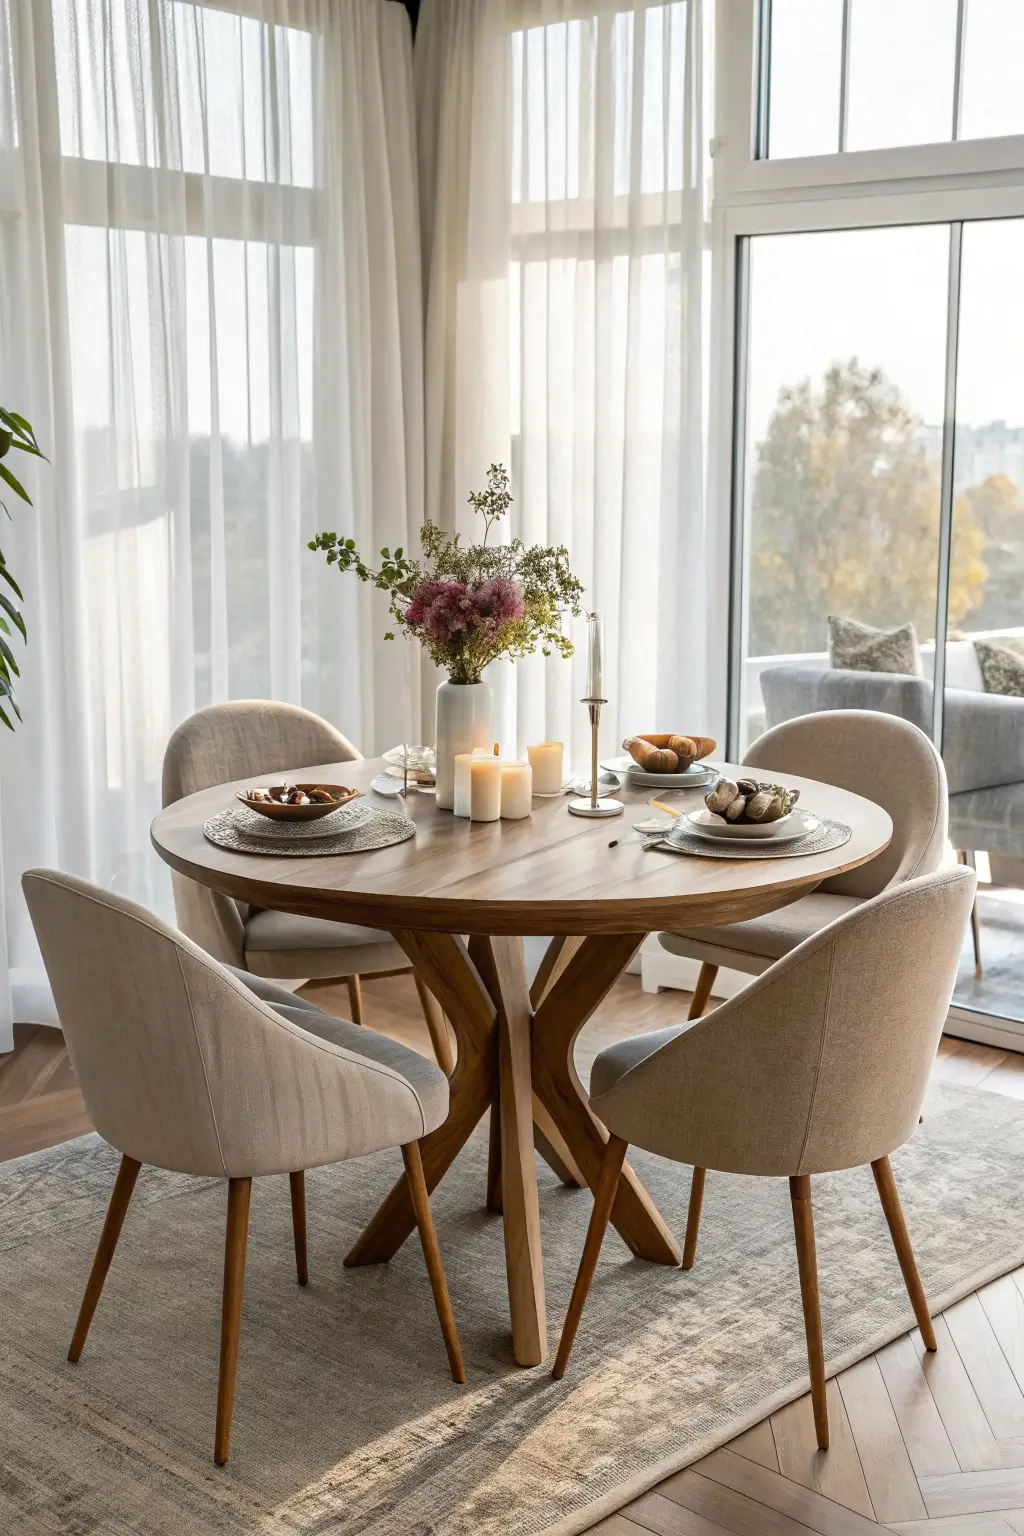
(182, 1067)
(257, 738)
(881, 757)
(819, 1064)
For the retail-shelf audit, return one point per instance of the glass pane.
(844, 412)
(902, 61)
(559, 150)
(983, 735)
(805, 69)
(224, 484)
(992, 100)
(240, 90)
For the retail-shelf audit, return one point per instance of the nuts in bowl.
(746, 802)
(296, 802)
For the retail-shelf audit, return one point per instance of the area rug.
(346, 1419)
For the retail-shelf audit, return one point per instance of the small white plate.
(788, 829)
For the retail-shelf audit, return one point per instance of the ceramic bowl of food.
(296, 802)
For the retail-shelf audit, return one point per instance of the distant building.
(993, 449)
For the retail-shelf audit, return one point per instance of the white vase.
(463, 722)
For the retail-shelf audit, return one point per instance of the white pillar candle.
(484, 788)
(461, 792)
(516, 791)
(595, 678)
(548, 771)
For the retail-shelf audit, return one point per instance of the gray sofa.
(983, 743)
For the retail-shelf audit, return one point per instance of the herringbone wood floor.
(919, 1444)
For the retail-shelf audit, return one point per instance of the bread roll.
(650, 758)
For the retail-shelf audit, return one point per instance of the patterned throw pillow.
(857, 647)
(1002, 668)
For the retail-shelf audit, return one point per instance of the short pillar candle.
(548, 771)
(484, 788)
(461, 791)
(516, 791)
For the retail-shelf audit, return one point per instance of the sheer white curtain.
(562, 181)
(211, 311)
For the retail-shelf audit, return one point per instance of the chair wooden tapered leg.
(120, 1197)
(693, 1217)
(702, 991)
(355, 998)
(297, 1182)
(432, 1254)
(437, 1028)
(236, 1237)
(890, 1199)
(803, 1226)
(604, 1198)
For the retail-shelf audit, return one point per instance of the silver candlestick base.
(595, 805)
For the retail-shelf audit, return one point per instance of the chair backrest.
(886, 760)
(820, 1063)
(242, 739)
(179, 1064)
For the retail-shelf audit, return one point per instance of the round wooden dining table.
(459, 898)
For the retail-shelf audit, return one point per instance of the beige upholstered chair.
(256, 738)
(819, 1064)
(881, 757)
(182, 1067)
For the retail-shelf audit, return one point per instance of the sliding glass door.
(983, 713)
(879, 503)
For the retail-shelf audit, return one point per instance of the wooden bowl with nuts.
(297, 802)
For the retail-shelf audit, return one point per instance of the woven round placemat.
(831, 834)
(356, 829)
(342, 820)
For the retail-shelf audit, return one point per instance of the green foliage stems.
(543, 575)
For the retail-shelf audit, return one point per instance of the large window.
(882, 482)
(871, 435)
(844, 405)
(872, 74)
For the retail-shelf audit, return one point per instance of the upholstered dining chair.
(257, 738)
(818, 1065)
(182, 1067)
(881, 757)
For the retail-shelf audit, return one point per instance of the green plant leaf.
(8, 655)
(5, 573)
(12, 419)
(15, 484)
(9, 607)
(5, 720)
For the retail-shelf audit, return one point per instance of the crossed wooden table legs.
(515, 1057)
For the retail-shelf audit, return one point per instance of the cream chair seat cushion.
(623, 1055)
(283, 944)
(752, 945)
(427, 1081)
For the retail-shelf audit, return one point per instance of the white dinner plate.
(788, 829)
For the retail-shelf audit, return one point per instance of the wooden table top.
(550, 873)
